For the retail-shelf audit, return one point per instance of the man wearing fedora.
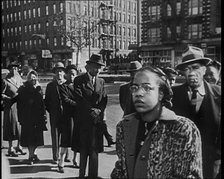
(125, 97)
(91, 104)
(54, 106)
(201, 102)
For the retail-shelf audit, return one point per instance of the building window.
(120, 31)
(48, 41)
(134, 33)
(35, 42)
(34, 12)
(129, 32)
(195, 31)
(123, 17)
(7, 18)
(39, 27)
(11, 31)
(62, 41)
(24, 1)
(30, 30)
(54, 8)
(178, 31)
(129, 5)
(24, 13)
(169, 10)
(25, 29)
(134, 20)
(61, 7)
(168, 31)
(19, 15)
(38, 11)
(26, 44)
(124, 31)
(15, 30)
(178, 8)
(68, 7)
(39, 42)
(18, 3)
(195, 7)
(55, 41)
(30, 44)
(129, 18)
(47, 25)
(34, 28)
(154, 35)
(154, 13)
(15, 16)
(3, 18)
(20, 31)
(29, 12)
(47, 10)
(11, 17)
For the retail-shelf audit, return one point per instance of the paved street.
(45, 169)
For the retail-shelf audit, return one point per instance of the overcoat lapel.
(130, 138)
(88, 82)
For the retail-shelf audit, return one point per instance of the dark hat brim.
(204, 61)
(12, 65)
(98, 63)
(55, 68)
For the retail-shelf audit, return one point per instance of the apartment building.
(30, 30)
(168, 26)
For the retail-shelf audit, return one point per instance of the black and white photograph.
(111, 89)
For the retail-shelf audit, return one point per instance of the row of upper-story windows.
(194, 32)
(121, 4)
(14, 3)
(30, 13)
(194, 8)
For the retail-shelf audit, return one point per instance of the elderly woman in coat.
(11, 127)
(31, 115)
(154, 142)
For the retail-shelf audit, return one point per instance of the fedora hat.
(58, 65)
(13, 64)
(69, 67)
(193, 55)
(97, 59)
(134, 66)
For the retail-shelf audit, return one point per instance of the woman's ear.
(161, 95)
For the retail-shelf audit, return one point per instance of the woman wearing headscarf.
(154, 142)
(31, 115)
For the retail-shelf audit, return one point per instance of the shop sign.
(46, 54)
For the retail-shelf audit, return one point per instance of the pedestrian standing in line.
(68, 122)
(200, 102)
(91, 104)
(125, 97)
(213, 71)
(154, 142)
(171, 75)
(11, 127)
(54, 106)
(31, 115)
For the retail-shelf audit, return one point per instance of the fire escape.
(108, 28)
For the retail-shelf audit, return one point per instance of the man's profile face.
(194, 74)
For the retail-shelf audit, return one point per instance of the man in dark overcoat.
(91, 104)
(54, 107)
(125, 96)
(201, 102)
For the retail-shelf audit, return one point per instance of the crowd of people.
(166, 131)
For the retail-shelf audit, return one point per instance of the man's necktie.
(194, 100)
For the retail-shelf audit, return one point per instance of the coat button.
(142, 157)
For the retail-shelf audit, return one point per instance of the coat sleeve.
(103, 102)
(65, 96)
(47, 97)
(120, 170)
(189, 160)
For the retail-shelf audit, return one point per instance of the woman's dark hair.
(164, 84)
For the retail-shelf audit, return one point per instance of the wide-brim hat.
(193, 55)
(96, 59)
(58, 65)
(13, 64)
(134, 66)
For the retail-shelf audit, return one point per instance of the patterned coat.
(172, 148)
(10, 124)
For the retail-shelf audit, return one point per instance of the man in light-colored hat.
(91, 104)
(125, 97)
(201, 102)
(54, 106)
